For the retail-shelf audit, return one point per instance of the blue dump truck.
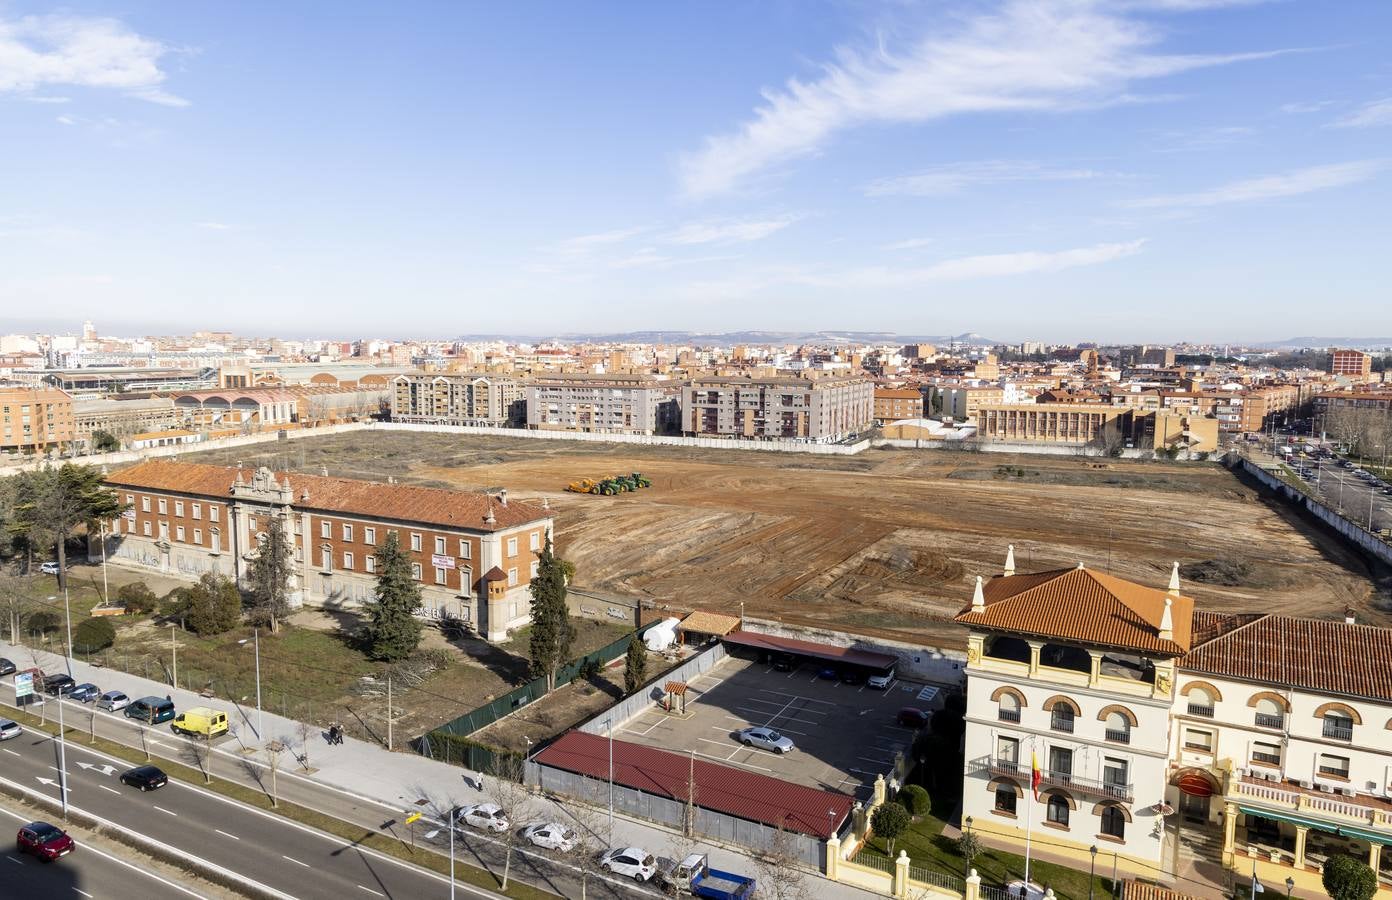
(694, 876)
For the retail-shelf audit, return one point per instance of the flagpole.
(1029, 815)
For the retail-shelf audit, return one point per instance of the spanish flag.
(1036, 776)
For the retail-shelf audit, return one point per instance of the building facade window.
(1200, 703)
(512, 546)
(1114, 772)
(370, 563)
(440, 575)
(512, 577)
(197, 510)
(179, 508)
(1061, 718)
(1058, 810)
(1266, 753)
(214, 513)
(198, 536)
(415, 541)
(1118, 728)
(144, 504)
(1008, 749)
(348, 561)
(348, 533)
(1270, 714)
(464, 550)
(1005, 799)
(535, 567)
(1194, 739)
(325, 530)
(179, 533)
(370, 536)
(1338, 726)
(1114, 823)
(1333, 766)
(440, 546)
(536, 540)
(163, 506)
(1009, 708)
(146, 526)
(416, 571)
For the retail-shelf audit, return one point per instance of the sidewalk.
(398, 781)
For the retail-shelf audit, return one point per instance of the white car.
(880, 682)
(634, 862)
(551, 836)
(9, 729)
(765, 738)
(488, 816)
(49, 568)
(113, 700)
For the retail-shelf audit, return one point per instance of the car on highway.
(147, 778)
(49, 568)
(47, 842)
(85, 692)
(488, 816)
(551, 836)
(113, 701)
(151, 710)
(58, 685)
(635, 862)
(9, 729)
(7, 667)
(765, 739)
(912, 717)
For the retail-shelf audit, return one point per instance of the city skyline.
(1148, 171)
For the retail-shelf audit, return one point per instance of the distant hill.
(729, 338)
(1348, 343)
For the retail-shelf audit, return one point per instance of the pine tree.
(392, 630)
(635, 666)
(552, 630)
(53, 502)
(269, 574)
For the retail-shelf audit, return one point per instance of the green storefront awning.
(1352, 831)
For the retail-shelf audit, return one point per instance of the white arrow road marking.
(51, 783)
(105, 770)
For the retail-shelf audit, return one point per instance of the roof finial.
(490, 519)
(1174, 580)
(978, 598)
(1080, 563)
(1167, 621)
(1009, 559)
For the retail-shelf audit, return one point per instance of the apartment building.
(602, 404)
(35, 419)
(473, 554)
(1073, 670)
(818, 409)
(1351, 363)
(459, 399)
(1161, 731)
(893, 404)
(963, 403)
(1280, 739)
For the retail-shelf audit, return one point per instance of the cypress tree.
(635, 665)
(269, 574)
(392, 631)
(552, 630)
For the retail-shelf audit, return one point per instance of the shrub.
(92, 635)
(137, 598)
(1346, 878)
(176, 603)
(916, 800)
(889, 821)
(44, 620)
(215, 605)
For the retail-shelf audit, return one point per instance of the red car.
(909, 717)
(47, 842)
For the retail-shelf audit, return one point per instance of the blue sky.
(1056, 169)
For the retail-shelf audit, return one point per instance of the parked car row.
(200, 721)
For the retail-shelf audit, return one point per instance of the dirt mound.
(1227, 572)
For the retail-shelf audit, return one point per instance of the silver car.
(9, 729)
(113, 700)
(765, 738)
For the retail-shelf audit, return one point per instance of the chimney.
(1009, 559)
(502, 496)
(1167, 621)
(545, 502)
(978, 598)
(1349, 618)
(1174, 581)
(304, 495)
(490, 519)
(324, 471)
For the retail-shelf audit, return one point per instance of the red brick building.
(473, 554)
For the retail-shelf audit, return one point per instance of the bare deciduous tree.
(505, 788)
(273, 751)
(779, 872)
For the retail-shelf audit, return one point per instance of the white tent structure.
(662, 635)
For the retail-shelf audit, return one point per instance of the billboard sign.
(24, 684)
(442, 562)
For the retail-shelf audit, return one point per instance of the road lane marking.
(295, 861)
(370, 891)
(13, 860)
(110, 790)
(9, 751)
(225, 834)
(82, 892)
(165, 811)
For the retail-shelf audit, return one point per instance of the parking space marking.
(871, 759)
(799, 696)
(779, 728)
(777, 716)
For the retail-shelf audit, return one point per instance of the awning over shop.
(1352, 831)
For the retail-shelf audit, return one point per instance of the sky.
(1058, 170)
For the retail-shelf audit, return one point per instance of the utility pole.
(174, 649)
(389, 713)
(62, 759)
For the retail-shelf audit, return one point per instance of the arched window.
(1201, 702)
(1270, 713)
(1114, 822)
(1118, 727)
(1061, 718)
(1058, 809)
(1009, 708)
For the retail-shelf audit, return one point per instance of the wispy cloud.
(1285, 184)
(65, 120)
(215, 226)
(948, 179)
(588, 243)
(997, 265)
(728, 230)
(911, 244)
(1031, 56)
(1306, 106)
(1373, 113)
(1210, 138)
(44, 98)
(39, 51)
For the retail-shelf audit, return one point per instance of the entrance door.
(1193, 808)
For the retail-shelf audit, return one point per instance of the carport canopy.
(794, 647)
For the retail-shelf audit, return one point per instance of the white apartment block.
(458, 399)
(819, 410)
(1261, 741)
(602, 404)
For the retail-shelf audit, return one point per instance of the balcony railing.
(1120, 736)
(1269, 758)
(1337, 731)
(1008, 715)
(1266, 720)
(1198, 709)
(1011, 769)
(1061, 723)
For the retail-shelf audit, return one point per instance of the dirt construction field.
(886, 542)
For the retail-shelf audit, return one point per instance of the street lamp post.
(609, 726)
(62, 759)
(450, 825)
(1092, 871)
(260, 716)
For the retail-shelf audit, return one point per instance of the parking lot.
(845, 734)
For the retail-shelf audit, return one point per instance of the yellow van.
(201, 722)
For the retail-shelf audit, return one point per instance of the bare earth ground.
(886, 542)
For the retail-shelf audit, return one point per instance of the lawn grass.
(928, 848)
(355, 835)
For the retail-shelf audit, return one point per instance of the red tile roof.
(1085, 606)
(1331, 657)
(723, 789)
(828, 652)
(371, 499)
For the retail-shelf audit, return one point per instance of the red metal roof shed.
(723, 789)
